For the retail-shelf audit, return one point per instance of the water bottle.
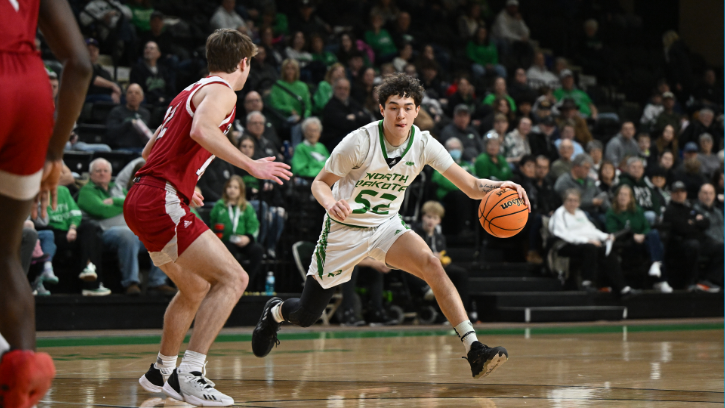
(269, 287)
(286, 150)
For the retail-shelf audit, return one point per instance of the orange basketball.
(502, 213)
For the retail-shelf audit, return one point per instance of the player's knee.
(432, 265)
(237, 280)
(197, 294)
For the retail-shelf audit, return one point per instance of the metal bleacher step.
(535, 299)
(561, 313)
(513, 284)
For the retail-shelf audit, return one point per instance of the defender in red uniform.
(31, 152)
(209, 279)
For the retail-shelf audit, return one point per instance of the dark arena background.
(608, 112)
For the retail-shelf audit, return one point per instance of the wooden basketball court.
(662, 364)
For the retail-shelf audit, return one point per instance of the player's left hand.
(49, 186)
(197, 200)
(519, 189)
(268, 169)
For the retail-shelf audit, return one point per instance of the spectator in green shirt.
(317, 44)
(491, 164)
(324, 88)
(310, 156)
(484, 55)
(236, 224)
(288, 104)
(499, 91)
(380, 40)
(582, 100)
(141, 10)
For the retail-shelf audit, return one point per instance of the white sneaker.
(663, 287)
(48, 276)
(654, 270)
(99, 291)
(39, 289)
(195, 389)
(89, 273)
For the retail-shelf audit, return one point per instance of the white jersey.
(375, 189)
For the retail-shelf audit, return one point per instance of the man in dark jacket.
(341, 115)
(462, 130)
(689, 245)
(644, 194)
(541, 139)
(704, 123)
(122, 122)
(153, 77)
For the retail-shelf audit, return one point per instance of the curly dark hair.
(402, 85)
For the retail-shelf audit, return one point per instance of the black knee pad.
(304, 317)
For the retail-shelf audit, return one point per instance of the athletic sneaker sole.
(150, 387)
(492, 364)
(190, 399)
(171, 392)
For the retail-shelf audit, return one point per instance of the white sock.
(466, 333)
(165, 363)
(4, 346)
(192, 361)
(277, 312)
(48, 266)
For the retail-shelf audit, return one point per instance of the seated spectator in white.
(297, 49)
(253, 102)
(516, 143)
(153, 77)
(586, 245)
(341, 115)
(461, 209)
(109, 13)
(563, 164)
(96, 200)
(626, 215)
(644, 194)
(538, 75)
(651, 111)
(692, 244)
(102, 87)
(591, 199)
(310, 156)
(690, 171)
(581, 99)
(509, 26)
(567, 132)
(235, 220)
(68, 232)
(595, 150)
(622, 145)
(121, 125)
(262, 147)
(710, 161)
(704, 123)
(226, 17)
(462, 130)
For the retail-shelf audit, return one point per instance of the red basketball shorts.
(161, 219)
(26, 123)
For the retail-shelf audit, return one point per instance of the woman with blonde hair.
(283, 96)
(233, 219)
(324, 88)
(626, 216)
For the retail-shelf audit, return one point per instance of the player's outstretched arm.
(322, 190)
(478, 188)
(216, 102)
(56, 21)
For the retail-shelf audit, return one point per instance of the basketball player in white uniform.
(362, 187)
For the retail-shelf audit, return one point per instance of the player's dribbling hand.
(268, 169)
(49, 186)
(340, 210)
(519, 189)
(197, 200)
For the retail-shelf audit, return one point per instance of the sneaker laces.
(201, 378)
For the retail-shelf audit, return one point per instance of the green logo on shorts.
(333, 274)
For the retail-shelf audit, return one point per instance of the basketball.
(502, 213)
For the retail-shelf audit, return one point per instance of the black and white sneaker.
(154, 379)
(484, 360)
(264, 336)
(195, 389)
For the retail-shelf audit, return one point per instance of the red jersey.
(176, 157)
(18, 24)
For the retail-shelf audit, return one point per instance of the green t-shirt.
(445, 186)
(323, 94)
(325, 57)
(66, 213)
(286, 103)
(637, 222)
(482, 54)
(486, 168)
(580, 97)
(381, 43)
(141, 16)
(488, 100)
(247, 223)
(90, 200)
(308, 160)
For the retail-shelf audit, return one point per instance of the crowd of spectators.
(504, 106)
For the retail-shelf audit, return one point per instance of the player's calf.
(25, 377)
